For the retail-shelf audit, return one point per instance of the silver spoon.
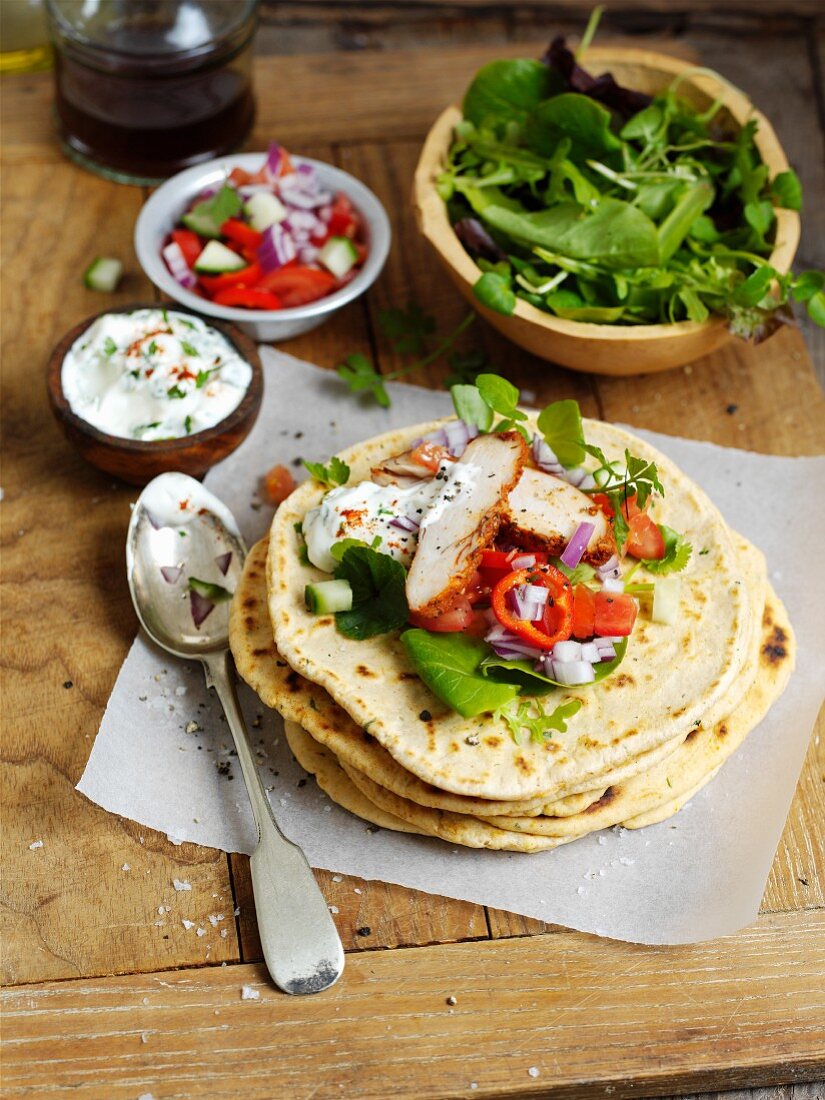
(180, 531)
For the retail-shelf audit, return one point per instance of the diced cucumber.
(264, 210)
(338, 255)
(328, 597)
(201, 224)
(217, 258)
(666, 596)
(103, 273)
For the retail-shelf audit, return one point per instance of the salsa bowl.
(603, 348)
(162, 211)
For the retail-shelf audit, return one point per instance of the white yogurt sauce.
(153, 374)
(366, 512)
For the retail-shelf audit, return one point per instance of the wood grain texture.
(591, 1016)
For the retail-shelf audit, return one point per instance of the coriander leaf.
(408, 328)
(786, 190)
(448, 665)
(109, 346)
(188, 349)
(495, 293)
(214, 592)
(336, 473)
(175, 392)
(677, 553)
(642, 478)
(360, 375)
(561, 426)
(501, 395)
(379, 599)
(471, 407)
(208, 216)
(541, 725)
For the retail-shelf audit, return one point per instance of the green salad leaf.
(521, 672)
(379, 599)
(448, 663)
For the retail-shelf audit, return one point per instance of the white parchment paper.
(698, 876)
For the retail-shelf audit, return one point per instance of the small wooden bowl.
(604, 349)
(137, 461)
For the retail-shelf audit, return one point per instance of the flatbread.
(310, 706)
(671, 677)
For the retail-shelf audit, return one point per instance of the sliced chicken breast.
(463, 520)
(545, 512)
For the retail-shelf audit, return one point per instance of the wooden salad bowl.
(601, 348)
(137, 461)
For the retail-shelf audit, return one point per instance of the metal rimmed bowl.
(138, 461)
(605, 349)
(162, 212)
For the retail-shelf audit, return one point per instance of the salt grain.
(533, 1071)
(201, 932)
(126, 867)
(185, 885)
(337, 878)
(356, 890)
(187, 924)
(249, 994)
(35, 844)
(579, 889)
(332, 908)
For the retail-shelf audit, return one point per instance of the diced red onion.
(536, 593)
(606, 652)
(575, 549)
(613, 584)
(590, 652)
(610, 568)
(523, 561)
(250, 189)
(544, 457)
(201, 607)
(325, 213)
(459, 433)
(571, 673)
(507, 644)
(575, 476)
(567, 651)
(302, 189)
(405, 523)
(171, 573)
(222, 561)
(613, 639)
(587, 482)
(308, 253)
(277, 248)
(523, 607)
(181, 272)
(273, 160)
(303, 220)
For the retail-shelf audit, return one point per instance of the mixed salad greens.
(599, 204)
(522, 622)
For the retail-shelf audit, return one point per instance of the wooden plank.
(588, 1015)
(370, 914)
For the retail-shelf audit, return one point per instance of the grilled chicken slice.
(463, 520)
(545, 512)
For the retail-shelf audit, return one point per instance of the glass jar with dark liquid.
(145, 88)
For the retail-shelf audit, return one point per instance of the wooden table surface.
(107, 994)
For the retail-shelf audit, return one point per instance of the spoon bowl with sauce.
(146, 389)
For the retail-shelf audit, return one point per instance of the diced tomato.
(240, 233)
(245, 276)
(476, 589)
(343, 221)
(584, 611)
(461, 618)
(603, 501)
(644, 539)
(278, 483)
(297, 285)
(556, 622)
(251, 297)
(630, 508)
(615, 614)
(189, 243)
(240, 177)
(429, 455)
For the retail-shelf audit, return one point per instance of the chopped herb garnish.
(134, 373)
(188, 425)
(109, 346)
(203, 377)
(175, 392)
(215, 592)
(336, 473)
(677, 553)
(188, 348)
(152, 349)
(188, 324)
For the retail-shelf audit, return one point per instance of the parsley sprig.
(331, 475)
(411, 331)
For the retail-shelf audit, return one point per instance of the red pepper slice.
(298, 285)
(241, 233)
(251, 297)
(245, 276)
(556, 622)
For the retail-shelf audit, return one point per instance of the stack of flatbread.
(644, 741)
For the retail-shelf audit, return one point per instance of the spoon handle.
(301, 945)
